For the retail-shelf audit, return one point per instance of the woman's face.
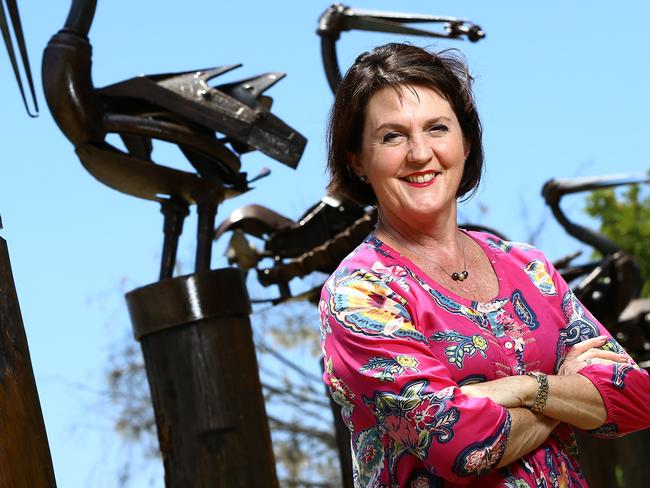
(412, 152)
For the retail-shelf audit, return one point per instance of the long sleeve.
(398, 399)
(624, 387)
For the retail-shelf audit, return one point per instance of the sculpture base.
(200, 359)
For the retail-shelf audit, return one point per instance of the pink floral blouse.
(397, 346)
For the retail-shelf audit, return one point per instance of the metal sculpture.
(194, 330)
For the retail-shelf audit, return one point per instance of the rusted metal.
(24, 452)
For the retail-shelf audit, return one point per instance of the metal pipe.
(80, 17)
(175, 211)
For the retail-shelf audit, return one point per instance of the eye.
(391, 137)
(438, 128)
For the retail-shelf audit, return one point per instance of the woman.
(457, 358)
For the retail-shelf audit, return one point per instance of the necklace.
(456, 275)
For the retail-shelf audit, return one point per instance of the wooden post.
(24, 452)
(200, 359)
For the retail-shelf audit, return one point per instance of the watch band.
(542, 391)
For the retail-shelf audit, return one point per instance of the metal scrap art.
(194, 330)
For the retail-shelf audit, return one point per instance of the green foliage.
(625, 218)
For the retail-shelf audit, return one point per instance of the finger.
(602, 361)
(600, 354)
(583, 346)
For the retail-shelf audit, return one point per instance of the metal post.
(175, 211)
(24, 452)
(200, 359)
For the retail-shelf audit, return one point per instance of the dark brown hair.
(392, 65)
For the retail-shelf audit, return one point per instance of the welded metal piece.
(255, 220)
(338, 18)
(236, 111)
(555, 189)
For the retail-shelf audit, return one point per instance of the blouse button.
(508, 345)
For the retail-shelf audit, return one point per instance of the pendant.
(462, 276)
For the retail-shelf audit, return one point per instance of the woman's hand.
(587, 352)
(510, 392)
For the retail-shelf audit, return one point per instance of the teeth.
(420, 178)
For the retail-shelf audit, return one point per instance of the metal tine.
(208, 74)
(202, 74)
(12, 8)
(255, 85)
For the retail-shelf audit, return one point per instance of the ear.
(466, 147)
(354, 161)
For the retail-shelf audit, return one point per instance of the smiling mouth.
(420, 178)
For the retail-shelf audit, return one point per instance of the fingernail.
(602, 337)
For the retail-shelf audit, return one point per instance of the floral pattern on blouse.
(398, 345)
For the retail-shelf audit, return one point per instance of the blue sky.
(561, 88)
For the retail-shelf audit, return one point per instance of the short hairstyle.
(392, 65)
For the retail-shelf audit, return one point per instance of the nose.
(420, 150)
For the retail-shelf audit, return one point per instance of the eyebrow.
(397, 125)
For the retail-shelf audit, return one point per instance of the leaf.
(386, 402)
(414, 389)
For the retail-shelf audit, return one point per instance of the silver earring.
(363, 178)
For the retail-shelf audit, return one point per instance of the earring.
(363, 178)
